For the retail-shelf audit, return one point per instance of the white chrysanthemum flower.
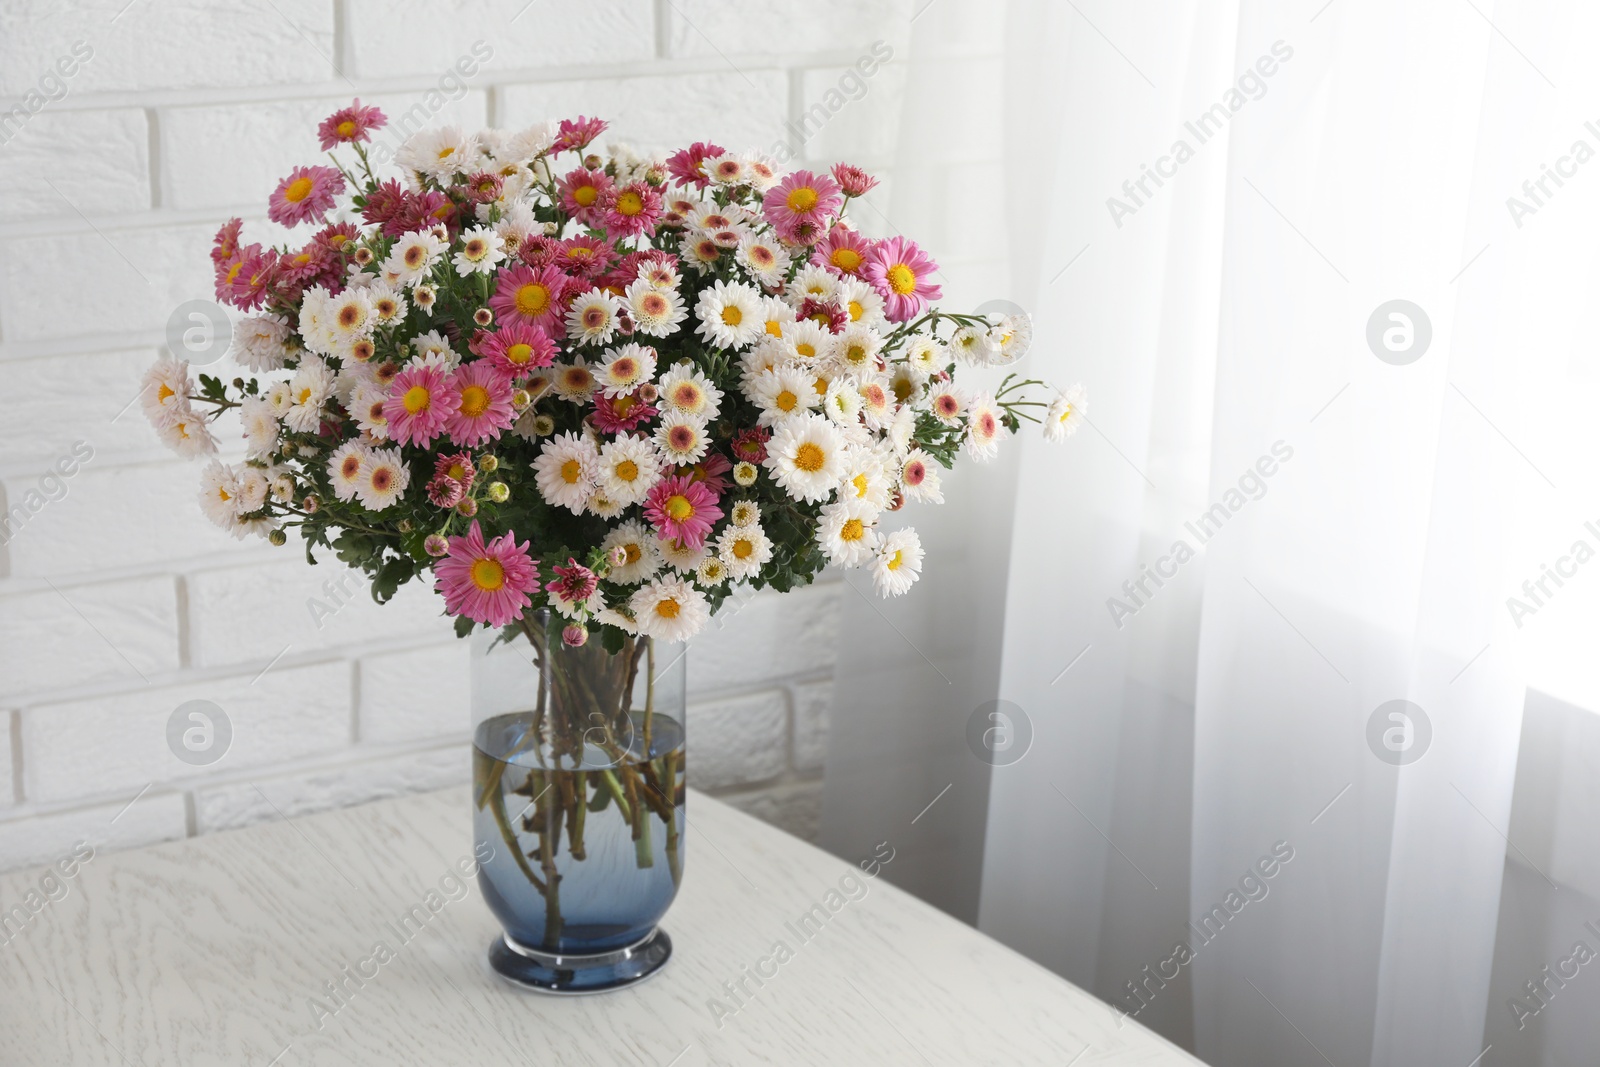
(777, 317)
(383, 479)
(842, 402)
(729, 314)
(766, 356)
(781, 392)
(811, 283)
(412, 257)
(565, 471)
(682, 438)
(350, 316)
(388, 303)
(983, 428)
(726, 169)
(808, 342)
(856, 350)
(907, 384)
(281, 399)
(669, 609)
(656, 312)
(806, 457)
(164, 391)
(744, 473)
(439, 152)
(699, 251)
(525, 145)
(253, 489)
(897, 562)
(366, 407)
(919, 478)
(1065, 413)
(947, 404)
(424, 296)
(926, 354)
(574, 381)
(745, 550)
(219, 494)
(711, 573)
(973, 346)
(865, 479)
(260, 342)
(745, 513)
(763, 258)
(877, 406)
(620, 617)
(344, 469)
(681, 556)
(309, 389)
(709, 215)
(629, 468)
(482, 249)
(592, 317)
(517, 225)
(686, 390)
(624, 368)
(1013, 337)
(316, 332)
(902, 428)
(761, 171)
(260, 427)
(280, 480)
(641, 557)
(186, 434)
(862, 304)
(846, 531)
(604, 506)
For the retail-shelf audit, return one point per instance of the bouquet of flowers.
(590, 382)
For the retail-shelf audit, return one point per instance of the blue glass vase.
(580, 799)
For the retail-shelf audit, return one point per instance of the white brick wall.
(118, 602)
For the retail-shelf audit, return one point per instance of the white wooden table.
(216, 951)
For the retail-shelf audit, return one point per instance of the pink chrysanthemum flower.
(456, 466)
(688, 164)
(682, 509)
(574, 583)
(226, 243)
(350, 124)
(306, 194)
(801, 203)
(419, 404)
(302, 268)
(482, 396)
(710, 472)
(531, 296)
(247, 276)
(482, 188)
(751, 445)
(620, 414)
(900, 272)
(843, 251)
(583, 194)
(576, 133)
(828, 315)
(584, 256)
(444, 492)
(487, 582)
(632, 210)
(518, 349)
(853, 180)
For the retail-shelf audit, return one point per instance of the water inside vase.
(588, 851)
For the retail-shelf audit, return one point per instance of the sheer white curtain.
(1374, 516)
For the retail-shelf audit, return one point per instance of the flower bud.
(499, 492)
(363, 256)
(483, 316)
(744, 473)
(468, 507)
(278, 537)
(544, 425)
(619, 555)
(310, 504)
(648, 393)
(488, 464)
(520, 400)
(435, 545)
(574, 636)
(405, 526)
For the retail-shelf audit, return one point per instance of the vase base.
(544, 972)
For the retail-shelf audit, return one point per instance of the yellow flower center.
(856, 310)
(679, 508)
(668, 608)
(806, 350)
(732, 316)
(630, 203)
(846, 259)
(474, 401)
(165, 392)
(519, 353)
(298, 190)
(774, 328)
(902, 279)
(347, 128)
(584, 195)
(801, 200)
(532, 299)
(820, 385)
(1066, 413)
(632, 551)
(743, 548)
(902, 389)
(860, 482)
(458, 472)
(852, 530)
(810, 458)
(785, 401)
(570, 470)
(446, 152)
(488, 575)
(895, 560)
(627, 470)
(416, 399)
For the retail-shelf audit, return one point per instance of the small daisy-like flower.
(802, 197)
(1065, 414)
(853, 180)
(575, 134)
(583, 193)
(383, 479)
(164, 392)
(344, 469)
(412, 257)
(745, 550)
(761, 171)
(751, 444)
(906, 383)
(687, 391)
(574, 381)
(812, 283)
(983, 428)
(186, 434)
(777, 317)
(681, 556)
(641, 559)
(481, 398)
(629, 469)
(783, 392)
(745, 473)
(669, 609)
(1014, 336)
(919, 480)
(604, 506)
(572, 589)
(631, 210)
(529, 296)
(711, 572)
(947, 404)
(700, 251)
(729, 315)
(808, 342)
(219, 494)
(305, 195)
(877, 406)
(973, 346)
(806, 457)
(519, 349)
(309, 389)
(843, 251)
(259, 342)
(350, 124)
(387, 304)
(662, 274)
(487, 582)
(861, 303)
(623, 369)
(900, 272)
(366, 407)
(745, 513)
(682, 439)
(260, 427)
(897, 562)
(482, 250)
(565, 471)
(842, 401)
(763, 258)
(865, 480)
(856, 350)
(655, 312)
(424, 296)
(725, 169)
(688, 164)
(418, 406)
(433, 350)
(592, 318)
(845, 530)
(439, 152)
(350, 315)
(682, 509)
(621, 414)
(925, 354)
